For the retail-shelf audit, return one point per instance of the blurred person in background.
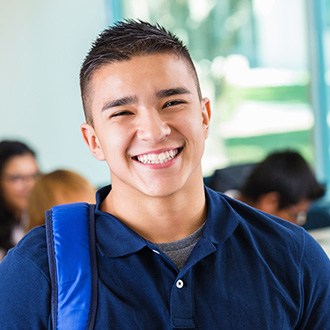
(282, 184)
(18, 172)
(57, 187)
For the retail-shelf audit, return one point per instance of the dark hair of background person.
(287, 173)
(8, 220)
(57, 187)
(117, 44)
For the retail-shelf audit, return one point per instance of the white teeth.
(158, 158)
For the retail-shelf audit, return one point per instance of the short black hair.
(287, 173)
(124, 40)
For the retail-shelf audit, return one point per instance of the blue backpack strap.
(70, 231)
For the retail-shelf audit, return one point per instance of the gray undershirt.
(179, 251)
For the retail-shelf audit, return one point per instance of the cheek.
(8, 190)
(15, 196)
(115, 144)
(283, 214)
(196, 130)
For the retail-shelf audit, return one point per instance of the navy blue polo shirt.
(248, 271)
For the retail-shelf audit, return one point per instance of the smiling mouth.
(160, 158)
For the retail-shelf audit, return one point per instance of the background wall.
(42, 45)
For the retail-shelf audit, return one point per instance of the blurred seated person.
(18, 173)
(57, 187)
(282, 184)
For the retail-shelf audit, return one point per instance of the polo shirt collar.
(115, 239)
(222, 219)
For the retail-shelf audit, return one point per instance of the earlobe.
(92, 141)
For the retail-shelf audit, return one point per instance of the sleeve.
(315, 286)
(24, 292)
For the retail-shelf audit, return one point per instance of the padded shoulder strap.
(72, 263)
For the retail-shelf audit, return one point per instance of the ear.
(206, 114)
(269, 202)
(92, 141)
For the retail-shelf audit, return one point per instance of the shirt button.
(179, 284)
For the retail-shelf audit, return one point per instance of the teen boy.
(170, 252)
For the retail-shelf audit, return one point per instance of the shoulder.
(288, 250)
(269, 235)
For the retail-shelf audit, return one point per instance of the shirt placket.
(182, 313)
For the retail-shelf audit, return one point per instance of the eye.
(121, 113)
(172, 103)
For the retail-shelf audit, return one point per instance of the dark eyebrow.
(133, 99)
(172, 91)
(120, 102)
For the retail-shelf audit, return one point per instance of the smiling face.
(149, 124)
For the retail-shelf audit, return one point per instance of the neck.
(160, 219)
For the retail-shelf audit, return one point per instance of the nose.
(29, 182)
(152, 127)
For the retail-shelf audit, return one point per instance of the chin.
(159, 191)
(21, 206)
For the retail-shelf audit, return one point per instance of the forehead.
(21, 164)
(143, 73)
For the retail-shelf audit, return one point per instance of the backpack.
(70, 232)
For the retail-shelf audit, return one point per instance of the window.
(252, 60)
